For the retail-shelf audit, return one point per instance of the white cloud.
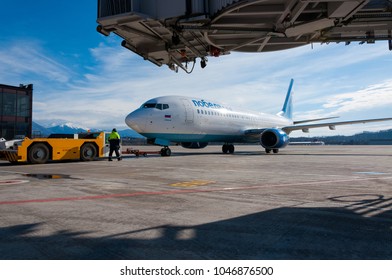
(377, 95)
(26, 60)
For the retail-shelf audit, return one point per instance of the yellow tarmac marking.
(195, 183)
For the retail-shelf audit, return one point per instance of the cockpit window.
(149, 105)
(159, 106)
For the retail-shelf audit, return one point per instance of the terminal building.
(16, 111)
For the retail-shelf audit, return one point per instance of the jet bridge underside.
(178, 32)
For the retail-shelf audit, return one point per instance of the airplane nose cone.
(134, 121)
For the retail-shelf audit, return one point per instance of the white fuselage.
(193, 122)
(185, 119)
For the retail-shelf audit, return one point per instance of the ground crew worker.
(114, 141)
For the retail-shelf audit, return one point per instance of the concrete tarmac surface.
(307, 202)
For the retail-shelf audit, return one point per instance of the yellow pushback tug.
(82, 146)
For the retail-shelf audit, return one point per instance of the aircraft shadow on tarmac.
(282, 233)
(262, 153)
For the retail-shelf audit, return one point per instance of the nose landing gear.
(165, 152)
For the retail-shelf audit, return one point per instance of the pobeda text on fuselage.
(194, 122)
(206, 104)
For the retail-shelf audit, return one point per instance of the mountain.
(63, 128)
(66, 128)
(69, 128)
(383, 137)
(39, 130)
(129, 133)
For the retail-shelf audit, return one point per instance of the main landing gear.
(228, 148)
(275, 151)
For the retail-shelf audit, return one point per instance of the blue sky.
(89, 80)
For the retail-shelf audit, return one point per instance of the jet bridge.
(177, 33)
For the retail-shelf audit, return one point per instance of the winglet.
(287, 110)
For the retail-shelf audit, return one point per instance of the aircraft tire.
(230, 149)
(225, 148)
(166, 152)
(275, 151)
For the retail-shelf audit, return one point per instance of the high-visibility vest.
(114, 135)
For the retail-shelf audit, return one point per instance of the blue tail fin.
(287, 110)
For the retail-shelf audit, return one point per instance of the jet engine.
(274, 138)
(194, 145)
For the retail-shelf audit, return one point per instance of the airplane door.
(189, 113)
(151, 121)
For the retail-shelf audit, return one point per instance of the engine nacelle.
(194, 145)
(274, 138)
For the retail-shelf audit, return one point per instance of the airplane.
(194, 122)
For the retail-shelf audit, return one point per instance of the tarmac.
(305, 203)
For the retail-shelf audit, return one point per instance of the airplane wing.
(314, 120)
(331, 125)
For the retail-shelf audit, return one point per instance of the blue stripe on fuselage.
(174, 137)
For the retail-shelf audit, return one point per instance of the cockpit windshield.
(149, 105)
(159, 106)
